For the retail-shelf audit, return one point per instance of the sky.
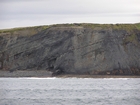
(22, 13)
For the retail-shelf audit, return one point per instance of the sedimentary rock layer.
(72, 48)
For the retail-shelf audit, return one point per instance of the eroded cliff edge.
(73, 49)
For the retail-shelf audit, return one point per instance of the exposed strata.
(73, 49)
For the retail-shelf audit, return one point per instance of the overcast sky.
(20, 13)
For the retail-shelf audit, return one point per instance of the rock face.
(77, 48)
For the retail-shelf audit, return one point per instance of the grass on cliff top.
(34, 28)
(128, 27)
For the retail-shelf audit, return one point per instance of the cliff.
(72, 49)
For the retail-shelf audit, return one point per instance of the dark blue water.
(69, 91)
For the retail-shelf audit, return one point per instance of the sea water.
(69, 91)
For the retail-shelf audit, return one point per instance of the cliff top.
(35, 29)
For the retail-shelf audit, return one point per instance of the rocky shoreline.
(23, 73)
(45, 74)
(97, 76)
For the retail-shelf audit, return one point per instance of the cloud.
(69, 6)
(37, 12)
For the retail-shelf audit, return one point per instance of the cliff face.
(77, 48)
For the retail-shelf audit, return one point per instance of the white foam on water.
(38, 78)
(116, 78)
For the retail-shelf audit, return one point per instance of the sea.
(69, 91)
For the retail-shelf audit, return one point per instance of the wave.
(116, 78)
(37, 78)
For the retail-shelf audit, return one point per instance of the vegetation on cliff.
(24, 30)
(35, 29)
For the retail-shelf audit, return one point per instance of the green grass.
(128, 27)
(35, 29)
(32, 30)
(137, 26)
(132, 38)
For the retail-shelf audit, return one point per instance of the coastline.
(23, 73)
(45, 74)
(96, 76)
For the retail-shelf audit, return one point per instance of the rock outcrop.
(73, 48)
